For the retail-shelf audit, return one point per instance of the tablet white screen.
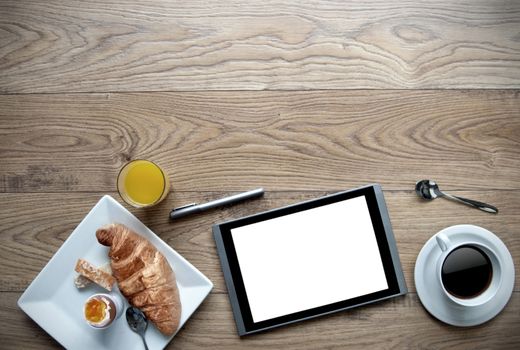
(309, 259)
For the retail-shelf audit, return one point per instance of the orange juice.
(142, 183)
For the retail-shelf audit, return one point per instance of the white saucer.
(429, 288)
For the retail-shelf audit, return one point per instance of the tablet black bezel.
(235, 282)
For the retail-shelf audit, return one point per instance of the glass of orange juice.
(142, 183)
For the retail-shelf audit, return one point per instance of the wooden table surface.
(304, 98)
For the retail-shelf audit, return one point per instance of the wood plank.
(34, 226)
(212, 326)
(99, 46)
(228, 141)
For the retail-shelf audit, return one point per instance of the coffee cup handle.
(442, 241)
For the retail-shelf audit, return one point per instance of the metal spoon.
(137, 322)
(429, 190)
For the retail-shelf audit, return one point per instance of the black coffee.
(466, 272)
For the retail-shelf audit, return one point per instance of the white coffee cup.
(447, 246)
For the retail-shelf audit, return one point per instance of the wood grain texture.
(28, 244)
(400, 323)
(100, 46)
(228, 141)
(353, 94)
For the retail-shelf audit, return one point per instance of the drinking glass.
(142, 183)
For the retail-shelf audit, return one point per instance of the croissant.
(144, 276)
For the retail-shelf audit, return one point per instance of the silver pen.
(197, 208)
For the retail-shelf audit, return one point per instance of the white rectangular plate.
(53, 301)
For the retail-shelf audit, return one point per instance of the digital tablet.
(309, 259)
